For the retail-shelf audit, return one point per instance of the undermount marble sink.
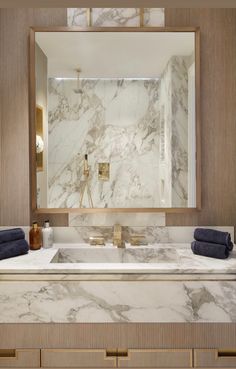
(116, 255)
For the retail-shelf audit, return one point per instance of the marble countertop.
(66, 299)
(159, 259)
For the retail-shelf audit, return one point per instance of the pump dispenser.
(47, 235)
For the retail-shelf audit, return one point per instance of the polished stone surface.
(168, 259)
(94, 302)
(139, 127)
(115, 17)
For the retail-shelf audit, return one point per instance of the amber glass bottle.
(35, 237)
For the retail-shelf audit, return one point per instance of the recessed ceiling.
(112, 54)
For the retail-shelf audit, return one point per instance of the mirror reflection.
(115, 119)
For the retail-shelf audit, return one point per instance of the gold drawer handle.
(227, 353)
(116, 353)
(111, 353)
(122, 353)
(7, 353)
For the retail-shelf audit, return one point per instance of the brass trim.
(8, 354)
(226, 353)
(141, 17)
(33, 185)
(89, 17)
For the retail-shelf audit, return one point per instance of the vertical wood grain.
(14, 103)
(218, 114)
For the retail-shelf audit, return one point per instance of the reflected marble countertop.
(158, 259)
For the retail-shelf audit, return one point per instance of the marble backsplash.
(152, 234)
(115, 17)
(85, 227)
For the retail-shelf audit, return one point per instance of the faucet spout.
(117, 236)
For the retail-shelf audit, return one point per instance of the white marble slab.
(95, 302)
(159, 259)
(118, 17)
(127, 219)
(94, 226)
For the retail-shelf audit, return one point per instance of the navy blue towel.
(14, 248)
(13, 234)
(210, 249)
(213, 236)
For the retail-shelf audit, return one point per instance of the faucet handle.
(97, 241)
(137, 240)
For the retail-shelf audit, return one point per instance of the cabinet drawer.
(19, 358)
(217, 358)
(76, 358)
(156, 359)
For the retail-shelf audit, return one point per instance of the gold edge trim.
(89, 17)
(141, 17)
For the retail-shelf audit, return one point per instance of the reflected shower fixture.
(78, 89)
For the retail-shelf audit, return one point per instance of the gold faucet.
(117, 236)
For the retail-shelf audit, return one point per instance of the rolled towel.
(13, 234)
(14, 248)
(211, 250)
(213, 236)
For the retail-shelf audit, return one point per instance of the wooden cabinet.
(156, 359)
(22, 358)
(214, 358)
(77, 358)
(117, 358)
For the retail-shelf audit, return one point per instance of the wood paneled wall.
(218, 111)
(218, 114)
(14, 107)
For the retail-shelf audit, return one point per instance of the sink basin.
(114, 255)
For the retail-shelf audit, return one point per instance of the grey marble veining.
(109, 219)
(159, 259)
(94, 302)
(137, 126)
(114, 122)
(81, 232)
(115, 17)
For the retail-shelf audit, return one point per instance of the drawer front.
(156, 359)
(19, 358)
(214, 358)
(76, 358)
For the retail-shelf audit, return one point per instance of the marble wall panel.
(116, 17)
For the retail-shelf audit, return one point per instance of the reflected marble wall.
(113, 121)
(173, 110)
(139, 127)
(115, 17)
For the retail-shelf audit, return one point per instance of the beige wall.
(218, 79)
(14, 102)
(218, 114)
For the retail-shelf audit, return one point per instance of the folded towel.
(213, 236)
(13, 234)
(14, 248)
(211, 250)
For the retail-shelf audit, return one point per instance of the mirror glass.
(115, 119)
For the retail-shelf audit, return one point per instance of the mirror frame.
(32, 109)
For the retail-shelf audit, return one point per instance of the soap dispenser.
(35, 237)
(47, 232)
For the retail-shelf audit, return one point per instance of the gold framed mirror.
(122, 126)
